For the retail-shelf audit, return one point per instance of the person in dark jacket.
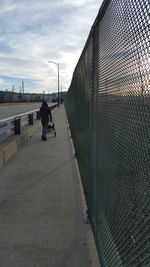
(46, 116)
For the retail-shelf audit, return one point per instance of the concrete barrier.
(9, 151)
(10, 147)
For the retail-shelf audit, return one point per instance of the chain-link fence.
(108, 108)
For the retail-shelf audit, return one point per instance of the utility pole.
(20, 97)
(13, 89)
(22, 90)
(23, 86)
(61, 94)
(57, 75)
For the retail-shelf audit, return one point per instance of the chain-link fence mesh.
(108, 108)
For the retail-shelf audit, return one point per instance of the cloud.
(2, 82)
(33, 32)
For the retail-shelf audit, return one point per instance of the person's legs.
(44, 130)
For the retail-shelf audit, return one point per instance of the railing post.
(30, 119)
(38, 115)
(17, 125)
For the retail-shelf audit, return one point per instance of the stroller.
(51, 128)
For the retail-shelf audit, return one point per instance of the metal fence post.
(30, 119)
(38, 115)
(17, 125)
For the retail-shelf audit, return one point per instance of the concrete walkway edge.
(91, 241)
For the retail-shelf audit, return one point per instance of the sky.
(32, 32)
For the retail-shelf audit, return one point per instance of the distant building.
(10, 96)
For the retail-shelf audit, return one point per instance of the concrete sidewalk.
(41, 202)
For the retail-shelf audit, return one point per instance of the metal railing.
(108, 108)
(15, 124)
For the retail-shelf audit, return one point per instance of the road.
(9, 110)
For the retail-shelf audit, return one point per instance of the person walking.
(46, 116)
